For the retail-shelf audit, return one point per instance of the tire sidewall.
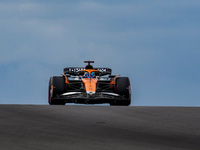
(58, 84)
(123, 87)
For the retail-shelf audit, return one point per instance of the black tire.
(122, 88)
(58, 84)
(49, 91)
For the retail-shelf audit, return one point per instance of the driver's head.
(92, 74)
(86, 74)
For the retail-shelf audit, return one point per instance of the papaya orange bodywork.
(89, 70)
(90, 84)
(66, 79)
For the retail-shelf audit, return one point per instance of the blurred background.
(155, 43)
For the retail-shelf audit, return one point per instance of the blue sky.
(155, 43)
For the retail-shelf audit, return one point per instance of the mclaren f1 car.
(88, 85)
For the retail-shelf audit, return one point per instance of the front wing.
(84, 98)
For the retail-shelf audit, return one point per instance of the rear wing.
(75, 70)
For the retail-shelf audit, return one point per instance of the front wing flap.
(84, 98)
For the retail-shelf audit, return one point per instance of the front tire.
(123, 88)
(56, 88)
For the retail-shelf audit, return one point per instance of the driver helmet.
(86, 74)
(92, 74)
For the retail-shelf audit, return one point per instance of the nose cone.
(90, 93)
(90, 85)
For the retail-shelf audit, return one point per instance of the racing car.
(88, 85)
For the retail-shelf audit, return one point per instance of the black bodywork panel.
(75, 70)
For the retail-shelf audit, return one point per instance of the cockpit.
(89, 74)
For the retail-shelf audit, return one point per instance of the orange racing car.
(88, 85)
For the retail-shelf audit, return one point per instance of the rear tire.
(56, 87)
(123, 89)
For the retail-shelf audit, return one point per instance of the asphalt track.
(43, 127)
